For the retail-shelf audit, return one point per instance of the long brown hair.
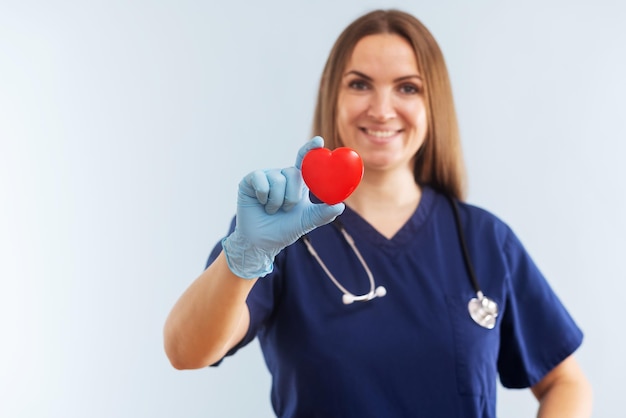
(439, 162)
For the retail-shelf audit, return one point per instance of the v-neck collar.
(357, 225)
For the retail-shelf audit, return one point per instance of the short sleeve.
(537, 332)
(260, 301)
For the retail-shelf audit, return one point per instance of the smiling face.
(381, 111)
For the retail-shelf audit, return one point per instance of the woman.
(417, 351)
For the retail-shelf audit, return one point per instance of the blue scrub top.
(415, 352)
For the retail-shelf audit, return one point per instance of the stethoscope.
(482, 309)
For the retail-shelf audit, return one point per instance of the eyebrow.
(368, 78)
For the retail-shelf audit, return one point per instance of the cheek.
(350, 107)
(342, 115)
(417, 115)
(341, 123)
(345, 118)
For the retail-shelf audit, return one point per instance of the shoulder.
(481, 217)
(491, 234)
(474, 218)
(485, 233)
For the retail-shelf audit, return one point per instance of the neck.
(386, 201)
(389, 190)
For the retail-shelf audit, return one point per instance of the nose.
(381, 107)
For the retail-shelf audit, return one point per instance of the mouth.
(381, 133)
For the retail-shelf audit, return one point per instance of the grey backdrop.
(125, 127)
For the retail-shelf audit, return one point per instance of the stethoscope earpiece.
(349, 298)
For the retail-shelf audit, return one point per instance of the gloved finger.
(321, 214)
(294, 187)
(315, 142)
(257, 180)
(278, 184)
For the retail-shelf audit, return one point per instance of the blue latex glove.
(273, 211)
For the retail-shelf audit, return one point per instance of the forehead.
(383, 51)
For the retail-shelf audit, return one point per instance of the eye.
(410, 88)
(358, 85)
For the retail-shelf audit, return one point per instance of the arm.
(209, 318)
(564, 392)
(273, 211)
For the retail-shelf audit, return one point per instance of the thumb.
(321, 214)
(315, 142)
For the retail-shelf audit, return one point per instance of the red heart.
(332, 176)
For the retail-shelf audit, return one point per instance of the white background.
(125, 127)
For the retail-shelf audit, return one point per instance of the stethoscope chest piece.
(483, 310)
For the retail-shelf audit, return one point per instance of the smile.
(380, 134)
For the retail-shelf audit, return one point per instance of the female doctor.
(401, 301)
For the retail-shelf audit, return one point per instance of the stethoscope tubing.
(463, 242)
(481, 309)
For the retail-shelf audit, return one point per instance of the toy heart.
(332, 176)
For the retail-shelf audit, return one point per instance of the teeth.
(380, 134)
